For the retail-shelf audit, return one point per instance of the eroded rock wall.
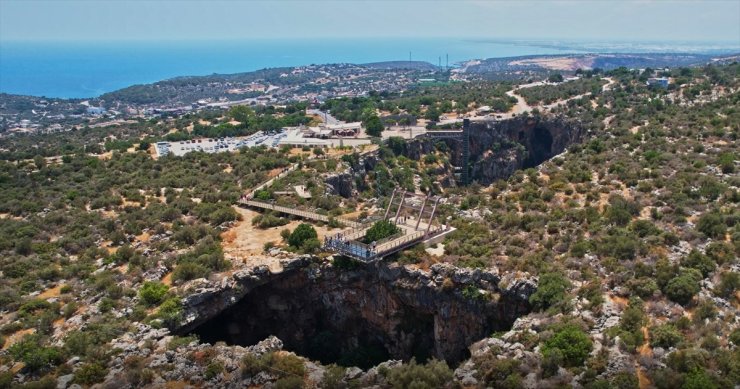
(498, 148)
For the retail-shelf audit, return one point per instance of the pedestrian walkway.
(297, 212)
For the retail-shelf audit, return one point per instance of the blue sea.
(89, 69)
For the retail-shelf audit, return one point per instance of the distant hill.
(415, 65)
(571, 62)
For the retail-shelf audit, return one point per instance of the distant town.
(313, 84)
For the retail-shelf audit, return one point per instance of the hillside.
(597, 245)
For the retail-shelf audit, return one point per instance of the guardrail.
(299, 213)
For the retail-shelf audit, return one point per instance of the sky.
(610, 20)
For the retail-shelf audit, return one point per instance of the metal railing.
(298, 212)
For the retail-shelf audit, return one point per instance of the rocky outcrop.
(327, 313)
(341, 184)
(501, 147)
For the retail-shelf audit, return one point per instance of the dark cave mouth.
(538, 146)
(324, 329)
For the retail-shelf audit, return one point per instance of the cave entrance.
(539, 147)
(313, 322)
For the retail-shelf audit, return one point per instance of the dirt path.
(245, 242)
(645, 351)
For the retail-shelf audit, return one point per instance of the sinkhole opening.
(359, 319)
(539, 147)
(323, 328)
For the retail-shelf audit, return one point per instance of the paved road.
(328, 119)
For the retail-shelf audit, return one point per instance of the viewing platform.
(412, 214)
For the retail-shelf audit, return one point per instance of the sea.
(88, 69)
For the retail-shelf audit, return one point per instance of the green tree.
(381, 230)
(551, 290)
(572, 342)
(301, 234)
(682, 288)
(555, 77)
(373, 125)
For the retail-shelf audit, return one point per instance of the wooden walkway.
(297, 212)
(367, 253)
(348, 242)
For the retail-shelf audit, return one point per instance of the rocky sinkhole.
(498, 148)
(361, 315)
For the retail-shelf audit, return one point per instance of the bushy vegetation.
(433, 374)
(569, 345)
(304, 237)
(548, 94)
(380, 230)
(645, 207)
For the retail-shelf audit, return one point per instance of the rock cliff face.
(341, 184)
(364, 315)
(499, 148)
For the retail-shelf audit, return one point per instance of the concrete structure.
(661, 82)
(413, 215)
(463, 136)
(208, 145)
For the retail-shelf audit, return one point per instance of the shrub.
(620, 244)
(251, 365)
(712, 225)
(644, 228)
(498, 373)
(572, 342)
(687, 360)
(170, 312)
(682, 288)
(434, 374)
(289, 383)
(729, 282)
(189, 271)
(268, 221)
(301, 234)
(699, 379)
(720, 252)
(213, 369)
(153, 292)
(625, 380)
(311, 245)
(381, 230)
(35, 356)
(697, 260)
(643, 287)
(580, 248)
(735, 337)
(705, 310)
(551, 290)
(727, 163)
(90, 374)
(665, 336)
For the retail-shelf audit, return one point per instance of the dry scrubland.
(632, 235)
